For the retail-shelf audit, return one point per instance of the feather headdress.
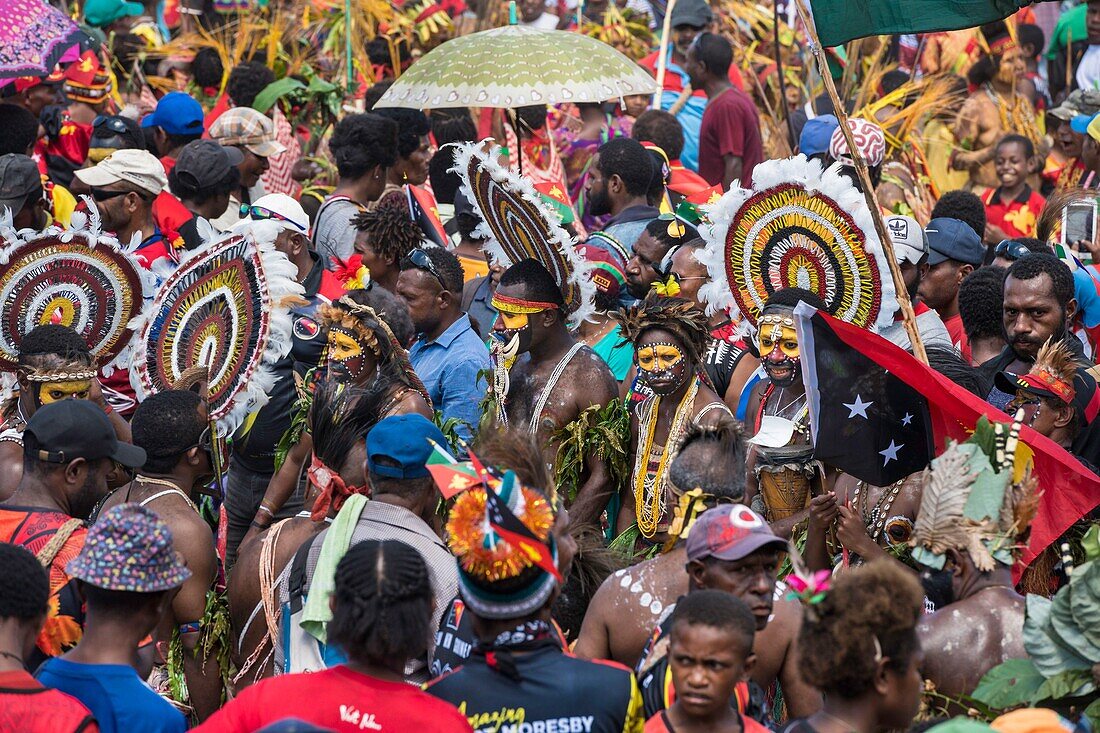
(677, 316)
(979, 497)
(78, 277)
(799, 226)
(227, 306)
(517, 225)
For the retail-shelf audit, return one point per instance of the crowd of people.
(324, 414)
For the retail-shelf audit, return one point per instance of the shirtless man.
(54, 364)
(980, 123)
(732, 549)
(631, 603)
(777, 414)
(710, 459)
(553, 379)
(173, 429)
(965, 563)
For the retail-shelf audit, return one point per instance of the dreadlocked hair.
(389, 230)
(871, 612)
(711, 458)
(382, 603)
(340, 416)
(24, 586)
(678, 316)
(355, 313)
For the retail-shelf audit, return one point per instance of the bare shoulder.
(594, 377)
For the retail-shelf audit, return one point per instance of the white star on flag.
(891, 452)
(907, 419)
(859, 407)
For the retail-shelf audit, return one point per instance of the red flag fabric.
(1069, 490)
(515, 533)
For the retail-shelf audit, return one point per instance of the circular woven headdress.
(72, 277)
(801, 227)
(518, 226)
(225, 308)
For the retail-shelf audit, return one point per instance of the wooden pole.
(906, 306)
(666, 31)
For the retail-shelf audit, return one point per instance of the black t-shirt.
(254, 444)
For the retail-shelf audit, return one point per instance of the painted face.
(513, 324)
(347, 360)
(778, 344)
(56, 391)
(661, 363)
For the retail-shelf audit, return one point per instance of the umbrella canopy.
(33, 37)
(516, 66)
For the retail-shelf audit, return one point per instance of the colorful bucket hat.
(129, 549)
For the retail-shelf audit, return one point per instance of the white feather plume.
(580, 275)
(809, 175)
(279, 285)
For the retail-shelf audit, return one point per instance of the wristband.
(266, 510)
(257, 525)
(107, 409)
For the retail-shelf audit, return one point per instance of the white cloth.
(929, 326)
(1088, 71)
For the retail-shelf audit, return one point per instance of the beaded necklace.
(648, 496)
(877, 520)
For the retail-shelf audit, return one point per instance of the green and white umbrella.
(516, 66)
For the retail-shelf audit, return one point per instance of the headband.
(514, 306)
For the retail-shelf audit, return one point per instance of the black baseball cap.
(203, 163)
(71, 429)
(19, 178)
(696, 13)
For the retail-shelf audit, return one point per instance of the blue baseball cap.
(951, 239)
(403, 440)
(816, 134)
(176, 114)
(1080, 123)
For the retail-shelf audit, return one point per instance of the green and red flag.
(840, 21)
(451, 476)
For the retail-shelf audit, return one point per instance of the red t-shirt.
(730, 126)
(659, 724)
(674, 79)
(1019, 216)
(685, 182)
(28, 707)
(32, 529)
(339, 699)
(955, 329)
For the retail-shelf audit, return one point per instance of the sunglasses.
(420, 259)
(1011, 249)
(114, 124)
(261, 213)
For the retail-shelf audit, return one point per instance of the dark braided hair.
(382, 603)
(389, 230)
(24, 587)
(53, 344)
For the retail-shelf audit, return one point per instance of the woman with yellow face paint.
(670, 392)
(361, 351)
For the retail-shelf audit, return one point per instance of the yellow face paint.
(342, 347)
(514, 321)
(56, 391)
(659, 357)
(774, 335)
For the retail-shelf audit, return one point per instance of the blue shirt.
(449, 367)
(115, 694)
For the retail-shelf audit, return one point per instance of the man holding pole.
(686, 20)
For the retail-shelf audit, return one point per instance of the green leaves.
(1009, 684)
(1071, 683)
(275, 91)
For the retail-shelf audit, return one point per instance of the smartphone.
(1079, 222)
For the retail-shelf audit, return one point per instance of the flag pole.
(666, 31)
(906, 306)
